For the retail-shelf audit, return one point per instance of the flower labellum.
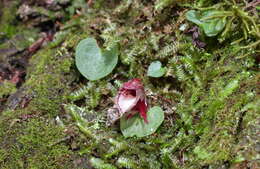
(130, 99)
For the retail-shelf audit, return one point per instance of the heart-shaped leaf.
(92, 62)
(135, 126)
(212, 26)
(194, 17)
(155, 69)
(209, 21)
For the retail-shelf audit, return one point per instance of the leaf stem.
(217, 16)
(237, 41)
(252, 45)
(227, 27)
(244, 32)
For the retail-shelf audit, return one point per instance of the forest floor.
(53, 117)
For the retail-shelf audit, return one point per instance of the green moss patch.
(209, 95)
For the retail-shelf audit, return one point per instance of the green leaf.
(194, 17)
(155, 69)
(210, 21)
(135, 126)
(92, 62)
(212, 26)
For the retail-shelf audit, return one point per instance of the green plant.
(228, 18)
(94, 63)
(210, 21)
(155, 69)
(135, 126)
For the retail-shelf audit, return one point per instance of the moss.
(211, 120)
(33, 144)
(8, 18)
(29, 136)
(208, 89)
(6, 89)
(47, 79)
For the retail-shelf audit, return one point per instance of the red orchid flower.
(131, 99)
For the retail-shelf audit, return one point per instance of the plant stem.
(252, 45)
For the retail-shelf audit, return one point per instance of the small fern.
(100, 164)
(116, 148)
(124, 162)
(78, 94)
(168, 50)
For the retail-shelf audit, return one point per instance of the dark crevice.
(239, 125)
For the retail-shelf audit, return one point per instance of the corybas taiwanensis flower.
(131, 100)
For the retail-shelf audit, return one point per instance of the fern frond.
(78, 94)
(100, 164)
(125, 162)
(116, 148)
(181, 74)
(168, 50)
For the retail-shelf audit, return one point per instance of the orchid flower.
(131, 100)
